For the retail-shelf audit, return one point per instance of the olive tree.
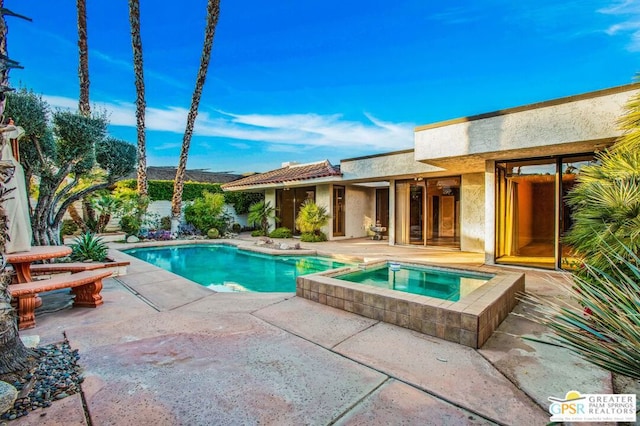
(71, 155)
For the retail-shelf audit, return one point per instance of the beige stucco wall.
(375, 167)
(472, 212)
(323, 198)
(548, 126)
(489, 212)
(360, 211)
(270, 197)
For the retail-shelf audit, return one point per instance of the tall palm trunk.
(83, 53)
(136, 44)
(13, 354)
(213, 11)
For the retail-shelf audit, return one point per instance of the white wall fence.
(159, 209)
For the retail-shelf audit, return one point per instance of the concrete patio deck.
(163, 350)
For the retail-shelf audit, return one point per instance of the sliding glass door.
(288, 203)
(338, 211)
(428, 211)
(531, 214)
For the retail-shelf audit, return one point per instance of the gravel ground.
(56, 376)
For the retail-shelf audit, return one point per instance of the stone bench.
(86, 287)
(54, 268)
(116, 268)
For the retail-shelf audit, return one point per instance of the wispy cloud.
(629, 13)
(457, 15)
(280, 132)
(168, 145)
(128, 65)
(240, 145)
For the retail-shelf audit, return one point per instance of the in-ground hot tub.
(468, 315)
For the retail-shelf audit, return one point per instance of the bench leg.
(88, 295)
(26, 311)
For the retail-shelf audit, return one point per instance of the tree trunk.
(13, 354)
(136, 44)
(83, 53)
(77, 219)
(213, 11)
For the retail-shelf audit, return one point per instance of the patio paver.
(452, 372)
(199, 359)
(225, 376)
(396, 403)
(321, 324)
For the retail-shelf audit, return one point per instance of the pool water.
(226, 268)
(432, 282)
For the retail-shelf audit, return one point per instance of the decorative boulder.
(132, 239)
(8, 395)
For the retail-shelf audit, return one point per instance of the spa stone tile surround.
(469, 321)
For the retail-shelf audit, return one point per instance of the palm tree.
(136, 44)
(83, 53)
(261, 213)
(312, 217)
(13, 354)
(213, 11)
(606, 200)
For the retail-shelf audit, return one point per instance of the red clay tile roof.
(289, 173)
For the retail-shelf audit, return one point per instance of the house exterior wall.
(393, 164)
(472, 213)
(489, 212)
(270, 197)
(324, 195)
(584, 119)
(360, 208)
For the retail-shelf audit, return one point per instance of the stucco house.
(492, 183)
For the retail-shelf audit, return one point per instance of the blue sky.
(295, 80)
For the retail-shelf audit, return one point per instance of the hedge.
(160, 190)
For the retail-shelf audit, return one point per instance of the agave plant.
(604, 327)
(89, 246)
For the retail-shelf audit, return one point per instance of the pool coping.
(469, 321)
(240, 245)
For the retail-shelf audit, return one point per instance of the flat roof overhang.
(475, 163)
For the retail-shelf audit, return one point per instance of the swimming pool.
(226, 268)
(433, 282)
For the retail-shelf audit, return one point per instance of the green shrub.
(130, 224)
(242, 201)
(213, 233)
(236, 227)
(163, 190)
(69, 227)
(257, 233)
(309, 237)
(89, 247)
(165, 223)
(281, 232)
(205, 213)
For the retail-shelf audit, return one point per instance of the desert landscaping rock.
(56, 376)
(8, 395)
